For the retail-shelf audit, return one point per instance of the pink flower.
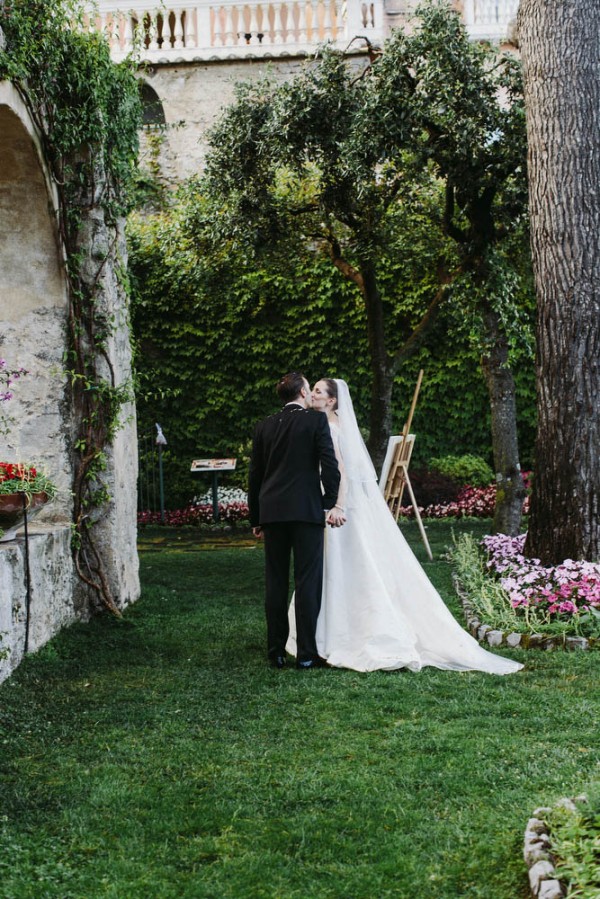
(565, 589)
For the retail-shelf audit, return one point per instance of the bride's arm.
(343, 490)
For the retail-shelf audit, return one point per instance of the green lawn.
(158, 756)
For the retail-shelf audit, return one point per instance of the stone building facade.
(192, 55)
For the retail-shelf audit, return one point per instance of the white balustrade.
(489, 18)
(232, 28)
(170, 31)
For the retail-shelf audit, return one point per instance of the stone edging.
(536, 852)
(485, 633)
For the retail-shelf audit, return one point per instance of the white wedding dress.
(379, 610)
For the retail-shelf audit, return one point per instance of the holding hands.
(336, 517)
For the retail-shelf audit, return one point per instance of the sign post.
(199, 466)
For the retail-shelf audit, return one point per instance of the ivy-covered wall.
(210, 345)
(86, 113)
(64, 181)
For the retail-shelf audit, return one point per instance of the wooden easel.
(394, 475)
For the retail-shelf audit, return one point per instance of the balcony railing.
(489, 18)
(233, 29)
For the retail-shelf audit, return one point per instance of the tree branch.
(347, 270)
(448, 226)
(420, 332)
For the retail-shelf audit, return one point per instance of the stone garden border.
(538, 857)
(486, 634)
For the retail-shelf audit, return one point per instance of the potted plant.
(23, 488)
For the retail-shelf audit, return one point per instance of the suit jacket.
(292, 455)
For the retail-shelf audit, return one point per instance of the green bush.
(467, 469)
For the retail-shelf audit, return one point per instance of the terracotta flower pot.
(12, 514)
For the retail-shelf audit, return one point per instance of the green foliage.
(467, 469)
(337, 230)
(84, 105)
(575, 844)
(213, 337)
(343, 156)
(215, 331)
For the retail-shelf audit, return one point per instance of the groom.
(292, 456)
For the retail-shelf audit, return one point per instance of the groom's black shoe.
(277, 661)
(308, 664)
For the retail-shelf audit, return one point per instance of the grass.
(158, 756)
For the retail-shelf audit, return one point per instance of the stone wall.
(192, 97)
(103, 251)
(49, 605)
(33, 306)
(34, 309)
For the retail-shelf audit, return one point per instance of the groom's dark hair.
(289, 387)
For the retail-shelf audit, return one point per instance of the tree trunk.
(510, 490)
(382, 372)
(560, 44)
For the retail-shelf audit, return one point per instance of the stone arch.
(34, 319)
(33, 304)
(153, 111)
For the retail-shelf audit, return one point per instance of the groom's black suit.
(292, 455)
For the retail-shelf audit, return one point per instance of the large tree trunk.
(560, 44)
(510, 490)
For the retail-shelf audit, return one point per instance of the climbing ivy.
(214, 328)
(87, 111)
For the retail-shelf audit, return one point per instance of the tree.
(333, 154)
(323, 158)
(559, 43)
(468, 103)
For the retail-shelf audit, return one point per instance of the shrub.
(432, 487)
(467, 469)
(575, 843)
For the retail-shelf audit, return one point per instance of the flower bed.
(472, 502)
(196, 515)
(514, 600)
(564, 591)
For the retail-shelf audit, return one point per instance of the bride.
(379, 610)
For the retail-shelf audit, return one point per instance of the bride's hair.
(332, 389)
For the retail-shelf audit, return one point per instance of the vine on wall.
(215, 329)
(87, 111)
